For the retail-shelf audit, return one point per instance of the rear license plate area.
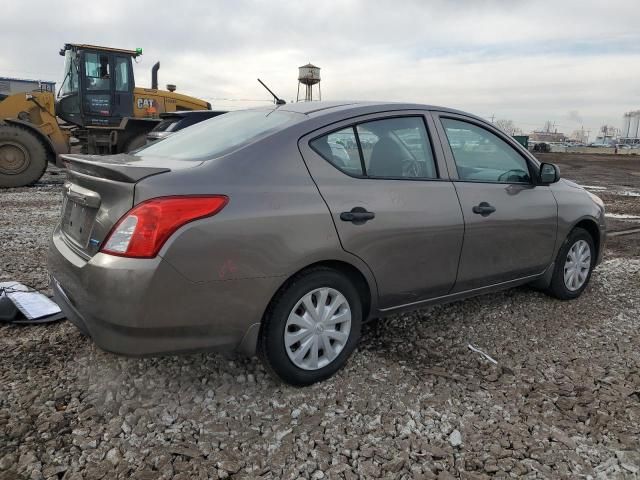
(77, 221)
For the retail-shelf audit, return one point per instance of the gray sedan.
(279, 231)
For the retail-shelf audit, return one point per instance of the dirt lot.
(615, 179)
(413, 402)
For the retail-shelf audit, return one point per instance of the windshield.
(166, 125)
(220, 135)
(70, 82)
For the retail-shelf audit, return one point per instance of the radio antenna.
(278, 101)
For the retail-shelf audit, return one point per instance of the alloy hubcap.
(317, 329)
(577, 265)
(14, 158)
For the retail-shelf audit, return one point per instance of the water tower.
(308, 75)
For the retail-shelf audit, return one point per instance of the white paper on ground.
(33, 305)
(477, 350)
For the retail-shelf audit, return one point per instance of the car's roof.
(188, 113)
(319, 109)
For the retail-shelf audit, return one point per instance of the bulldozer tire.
(23, 158)
(136, 142)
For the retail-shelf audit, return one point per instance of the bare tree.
(508, 127)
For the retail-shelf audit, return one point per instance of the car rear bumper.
(146, 307)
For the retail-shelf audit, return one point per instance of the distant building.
(608, 135)
(9, 86)
(549, 133)
(579, 136)
(543, 136)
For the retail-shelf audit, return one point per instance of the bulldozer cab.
(97, 90)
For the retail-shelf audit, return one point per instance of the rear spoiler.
(120, 168)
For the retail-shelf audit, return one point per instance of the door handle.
(357, 216)
(484, 209)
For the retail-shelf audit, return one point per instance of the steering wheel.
(410, 168)
(514, 172)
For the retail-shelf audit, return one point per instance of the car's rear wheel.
(312, 327)
(573, 267)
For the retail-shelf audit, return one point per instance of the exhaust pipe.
(154, 75)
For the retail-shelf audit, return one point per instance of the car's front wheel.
(573, 266)
(312, 327)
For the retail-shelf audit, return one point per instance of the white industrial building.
(9, 86)
(630, 132)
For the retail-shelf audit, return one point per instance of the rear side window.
(388, 148)
(397, 147)
(220, 135)
(481, 156)
(341, 149)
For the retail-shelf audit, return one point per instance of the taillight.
(142, 231)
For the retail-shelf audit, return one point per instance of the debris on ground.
(20, 304)
(477, 350)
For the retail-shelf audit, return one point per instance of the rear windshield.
(220, 135)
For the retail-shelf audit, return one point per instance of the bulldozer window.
(122, 74)
(70, 82)
(96, 71)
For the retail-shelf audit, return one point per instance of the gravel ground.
(563, 400)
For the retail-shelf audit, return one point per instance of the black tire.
(271, 344)
(23, 157)
(557, 288)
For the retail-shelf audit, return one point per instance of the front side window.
(96, 71)
(341, 149)
(389, 148)
(481, 156)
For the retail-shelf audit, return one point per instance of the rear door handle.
(484, 209)
(357, 216)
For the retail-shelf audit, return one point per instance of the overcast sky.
(575, 62)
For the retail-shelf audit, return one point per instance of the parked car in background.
(541, 147)
(279, 231)
(176, 121)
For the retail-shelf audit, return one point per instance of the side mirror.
(549, 173)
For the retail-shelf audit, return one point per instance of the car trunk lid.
(99, 191)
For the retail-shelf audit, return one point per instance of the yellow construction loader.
(98, 107)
